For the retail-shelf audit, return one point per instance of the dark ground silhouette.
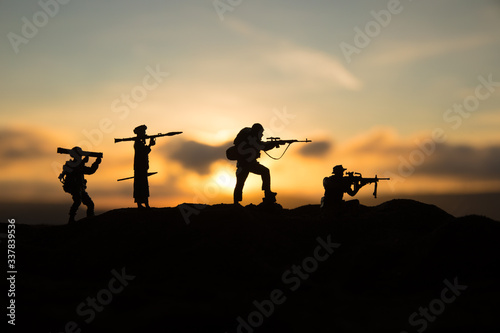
(207, 275)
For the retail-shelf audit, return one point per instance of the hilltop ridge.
(219, 269)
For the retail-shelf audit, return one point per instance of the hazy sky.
(405, 89)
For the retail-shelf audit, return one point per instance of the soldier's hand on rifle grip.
(85, 159)
(98, 160)
(152, 142)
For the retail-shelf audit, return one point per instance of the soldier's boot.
(269, 197)
(237, 197)
(90, 212)
(71, 218)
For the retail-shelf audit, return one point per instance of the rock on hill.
(400, 266)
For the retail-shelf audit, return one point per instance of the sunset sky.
(402, 89)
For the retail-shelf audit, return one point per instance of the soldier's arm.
(269, 145)
(353, 189)
(93, 168)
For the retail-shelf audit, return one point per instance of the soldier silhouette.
(74, 183)
(335, 187)
(249, 143)
(141, 166)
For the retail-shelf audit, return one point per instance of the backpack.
(66, 182)
(232, 153)
(69, 181)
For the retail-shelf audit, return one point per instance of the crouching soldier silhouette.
(246, 150)
(335, 187)
(74, 183)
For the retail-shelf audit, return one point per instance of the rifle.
(147, 136)
(278, 142)
(356, 178)
(78, 151)
(149, 174)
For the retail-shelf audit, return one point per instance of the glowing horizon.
(420, 105)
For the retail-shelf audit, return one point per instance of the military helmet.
(257, 128)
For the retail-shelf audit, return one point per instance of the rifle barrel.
(278, 140)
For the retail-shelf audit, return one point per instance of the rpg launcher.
(356, 178)
(78, 151)
(148, 136)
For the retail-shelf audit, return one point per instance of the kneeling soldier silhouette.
(335, 187)
(338, 184)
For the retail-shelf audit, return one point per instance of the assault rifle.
(356, 178)
(148, 136)
(78, 151)
(278, 142)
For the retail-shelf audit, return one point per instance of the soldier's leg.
(261, 170)
(77, 200)
(87, 201)
(241, 177)
(141, 188)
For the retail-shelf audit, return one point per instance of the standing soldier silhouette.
(141, 166)
(74, 183)
(249, 143)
